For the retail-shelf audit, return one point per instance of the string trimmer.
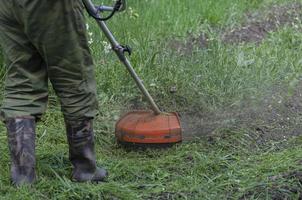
(136, 127)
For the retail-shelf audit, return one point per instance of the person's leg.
(25, 93)
(61, 39)
(26, 90)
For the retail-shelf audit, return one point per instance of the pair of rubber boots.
(21, 140)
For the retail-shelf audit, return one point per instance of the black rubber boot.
(81, 152)
(21, 141)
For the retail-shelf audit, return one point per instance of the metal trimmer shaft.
(120, 52)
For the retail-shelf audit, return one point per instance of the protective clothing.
(21, 140)
(44, 40)
(41, 41)
(81, 152)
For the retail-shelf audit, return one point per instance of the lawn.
(231, 68)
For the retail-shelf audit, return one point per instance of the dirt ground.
(187, 47)
(256, 26)
(276, 191)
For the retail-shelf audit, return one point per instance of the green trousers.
(46, 40)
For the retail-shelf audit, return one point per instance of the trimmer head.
(145, 127)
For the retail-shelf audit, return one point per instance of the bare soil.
(281, 186)
(259, 24)
(256, 26)
(187, 47)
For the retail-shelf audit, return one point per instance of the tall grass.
(217, 75)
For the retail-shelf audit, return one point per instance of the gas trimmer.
(136, 127)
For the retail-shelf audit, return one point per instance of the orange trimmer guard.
(145, 127)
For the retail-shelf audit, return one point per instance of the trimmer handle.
(93, 11)
(123, 6)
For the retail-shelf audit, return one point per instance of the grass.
(229, 166)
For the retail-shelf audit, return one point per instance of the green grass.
(229, 166)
